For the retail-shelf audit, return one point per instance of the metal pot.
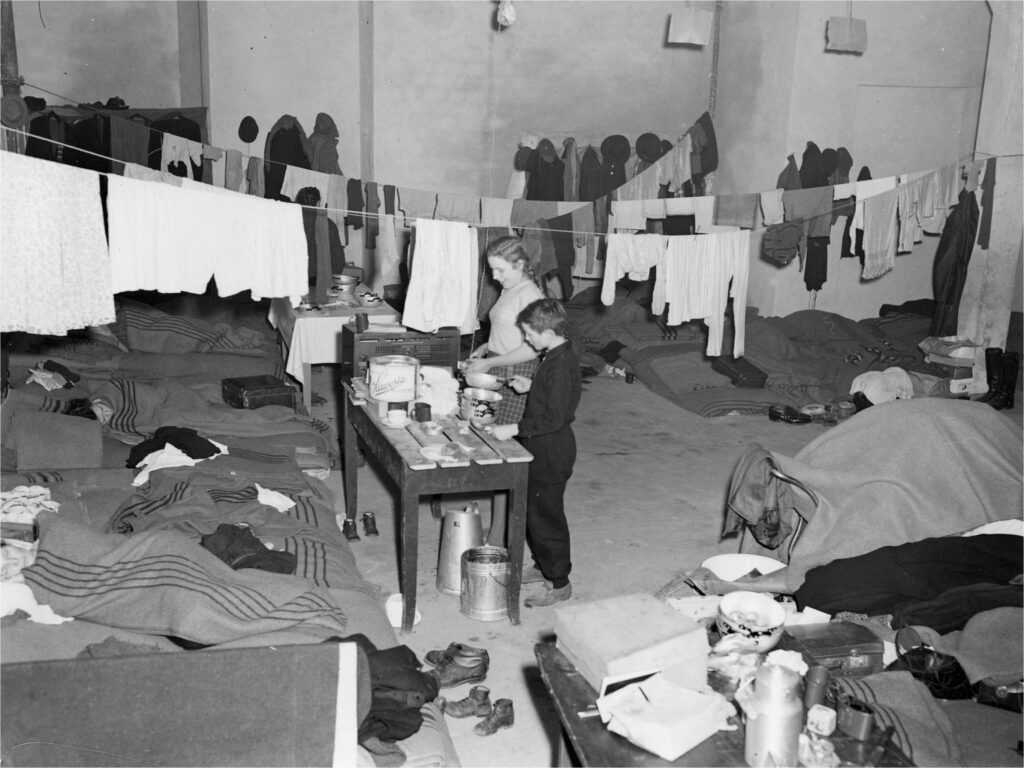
(484, 381)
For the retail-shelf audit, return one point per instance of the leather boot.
(457, 651)
(502, 716)
(459, 671)
(1008, 384)
(476, 704)
(993, 372)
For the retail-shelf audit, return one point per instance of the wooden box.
(632, 634)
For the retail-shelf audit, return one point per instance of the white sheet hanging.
(55, 264)
(443, 277)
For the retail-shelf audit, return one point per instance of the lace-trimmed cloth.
(54, 260)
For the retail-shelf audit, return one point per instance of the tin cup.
(421, 412)
(815, 686)
(362, 322)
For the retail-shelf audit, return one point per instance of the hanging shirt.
(178, 150)
(443, 278)
(632, 255)
(55, 264)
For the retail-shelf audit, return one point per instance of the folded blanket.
(162, 583)
(57, 441)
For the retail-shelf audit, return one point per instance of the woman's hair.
(544, 315)
(510, 249)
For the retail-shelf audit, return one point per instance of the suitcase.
(741, 372)
(257, 391)
(846, 649)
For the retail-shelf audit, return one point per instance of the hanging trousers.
(547, 530)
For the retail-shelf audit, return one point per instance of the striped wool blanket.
(164, 583)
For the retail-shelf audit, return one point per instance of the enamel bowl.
(753, 615)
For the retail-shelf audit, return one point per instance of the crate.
(257, 391)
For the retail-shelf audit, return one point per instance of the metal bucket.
(461, 530)
(479, 406)
(485, 575)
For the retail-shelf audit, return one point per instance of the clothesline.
(588, 233)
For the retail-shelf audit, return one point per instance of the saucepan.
(484, 380)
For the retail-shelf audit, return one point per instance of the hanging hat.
(615, 149)
(648, 147)
(547, 151)
(13, 111)
(248, 130)
(666, 146)
(522, 158)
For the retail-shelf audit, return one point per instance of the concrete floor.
(645, 502)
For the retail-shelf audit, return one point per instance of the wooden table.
(493, 465)
(594, 744)
(314, 337)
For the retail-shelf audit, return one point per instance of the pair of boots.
(459, 663)
(478, 704)
(1001, 372)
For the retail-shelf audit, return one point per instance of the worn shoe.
(549, 596)
(459, 651)
(532, 575)
(370, 524)
(476, 704)
(788, 414)
(502, 716)
(349, 529)
(458, 671)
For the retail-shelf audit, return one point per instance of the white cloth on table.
(55, 263)
(443, 278)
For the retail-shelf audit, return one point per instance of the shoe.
(459, 651)
(993, 372)
(532, 575)
(476, 704)
(1009, 365)
(549, 596)
(458, 671)
(788, 414)
(502, 716)
(349, 529)
(370, 524)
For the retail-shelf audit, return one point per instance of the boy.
(545, 432)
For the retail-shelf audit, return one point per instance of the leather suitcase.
(741, 372)
(257, 391)
(846, 649)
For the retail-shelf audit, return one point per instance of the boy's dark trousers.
(547, 530)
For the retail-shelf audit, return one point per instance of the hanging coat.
(286, 145)
(951, 260)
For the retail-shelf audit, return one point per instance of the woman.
(505, 353)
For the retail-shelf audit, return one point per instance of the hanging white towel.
(443, 278)
(388, 271)
(701, 208)
(55, 264)
(296, 179)
(772, 209)
(175, 149)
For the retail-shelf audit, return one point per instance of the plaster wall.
(89, 51)
(909, 102)
(453, 96)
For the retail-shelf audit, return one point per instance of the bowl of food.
(753, 615)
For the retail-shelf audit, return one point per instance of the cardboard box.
(632, 634)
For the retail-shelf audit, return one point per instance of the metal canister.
(774, 717)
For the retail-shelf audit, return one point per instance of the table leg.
(410, 541)
(350, 451)
(307, 387)
(516, 539)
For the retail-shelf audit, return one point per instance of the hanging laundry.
(952, 258)
(908, 195)
(627, 215)
(988, 188)
(517, 181)
(233, 174)
(559, 239)
(323, 145)
(443, 277)
(495, 212)
(631, 255)
(879, 232)
(525, 213)
(129, 141)
(571, 175)
(704, 154)
(337, 204)
(812, 168)
(789, 179)
(781, 242)
(701, 208)
(177, 124)
(55, 263)
(416, 204)
(181, 156)
(736, 210)
(698, 275)
(286, 145)
(295, 179)
(816, 269)
(591, 175)
(356, 205)
(812, 207)
(388, 268)
(458, 208)
(212, 173)
(254, 177)
(134, 171)
(372, 221)
(546, 179)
